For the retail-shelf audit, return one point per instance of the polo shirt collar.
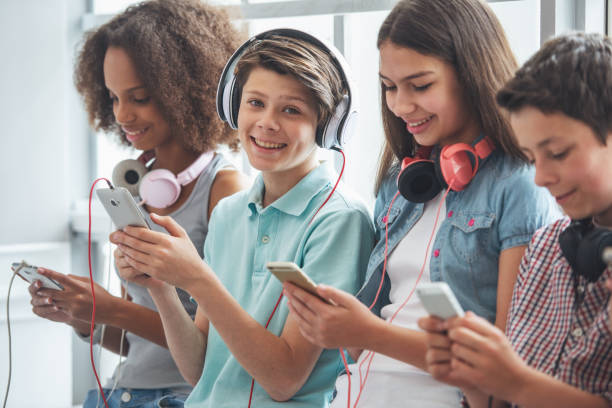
(294, 201)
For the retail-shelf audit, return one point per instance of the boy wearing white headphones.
(557, 349)
(289, 94)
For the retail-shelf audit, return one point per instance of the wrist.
(203, 277)
(522, 386)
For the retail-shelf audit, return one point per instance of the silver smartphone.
(439, 300)
(121, 207)
(29, 273)
(290, 272)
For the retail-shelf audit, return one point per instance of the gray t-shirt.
(148, 365)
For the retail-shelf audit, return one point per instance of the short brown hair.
(467, 35)
(179, 48)
(307, 62)
(571, 74)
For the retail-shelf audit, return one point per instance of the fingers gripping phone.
(439, 300)
(290, 272)
(121, 207)
(29, 273)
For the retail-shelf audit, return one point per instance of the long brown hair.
(179, 49)
(467, 35)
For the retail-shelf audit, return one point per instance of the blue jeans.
(133, 398)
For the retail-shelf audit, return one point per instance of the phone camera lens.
(114, 203)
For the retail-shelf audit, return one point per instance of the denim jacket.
(501, 208)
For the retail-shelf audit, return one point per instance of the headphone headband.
(329, 134)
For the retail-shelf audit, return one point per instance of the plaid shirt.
(558, 323)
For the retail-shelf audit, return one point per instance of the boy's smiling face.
(570, 162)
(277, 122)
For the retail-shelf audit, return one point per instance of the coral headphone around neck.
(421, 178)
(158, 188)
(583, 244)
(330, 134)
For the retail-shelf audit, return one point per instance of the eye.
(560, 156)
(142, 101)
(291, 110)
(388, 88)
(421, 88)
(255, 103)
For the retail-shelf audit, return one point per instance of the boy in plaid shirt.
(557, 350)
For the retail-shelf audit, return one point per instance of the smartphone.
(121, 207)
(290, 272)
(439, 300)
(29, 273)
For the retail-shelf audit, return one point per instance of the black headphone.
(583, 245)
(330, 134)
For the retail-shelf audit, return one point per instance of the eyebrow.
(128, 90)
(286, 97)
(409, 77)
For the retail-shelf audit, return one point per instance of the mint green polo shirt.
(242, 237)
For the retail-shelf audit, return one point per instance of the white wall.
(43, 160)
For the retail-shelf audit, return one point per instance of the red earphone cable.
(309, 222)
(93, 294)
(370, 355)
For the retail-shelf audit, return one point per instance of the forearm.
(135, 318)
(186, 342)
(112, 341)
(269, 359)
(396, 342)
(542, 391)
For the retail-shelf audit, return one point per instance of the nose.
(544, 175)
(123, 112)
(401, 103)
(268, 120)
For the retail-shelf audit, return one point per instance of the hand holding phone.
(29, 273)
(439, 300)
(290, 272)
(121, 207)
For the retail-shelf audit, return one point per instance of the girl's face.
(569, 161)
(424, 92)
(139, 117)
(277, 122)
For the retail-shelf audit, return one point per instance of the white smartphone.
(121, 207)
(29, 273)
(439, 300)
(290, 272)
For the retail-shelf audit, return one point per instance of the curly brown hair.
(571, 74)
(179, 48)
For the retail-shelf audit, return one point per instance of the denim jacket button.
(450, 213)
(471, 222)
(126, 397)
(436, 253)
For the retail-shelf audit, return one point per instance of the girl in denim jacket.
(441, 64)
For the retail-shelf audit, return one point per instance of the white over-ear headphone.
(158, 188)
(330, 134)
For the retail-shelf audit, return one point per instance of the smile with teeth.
(420, 122)
(267, 145)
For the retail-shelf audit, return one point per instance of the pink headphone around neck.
(158, 188)
(421, 178)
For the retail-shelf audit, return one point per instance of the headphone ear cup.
(234, 103)
(159, 188)
(455, 166)
(331, 133)
(589, 253)
(129, 173)
(228, 103)
(417, 182)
